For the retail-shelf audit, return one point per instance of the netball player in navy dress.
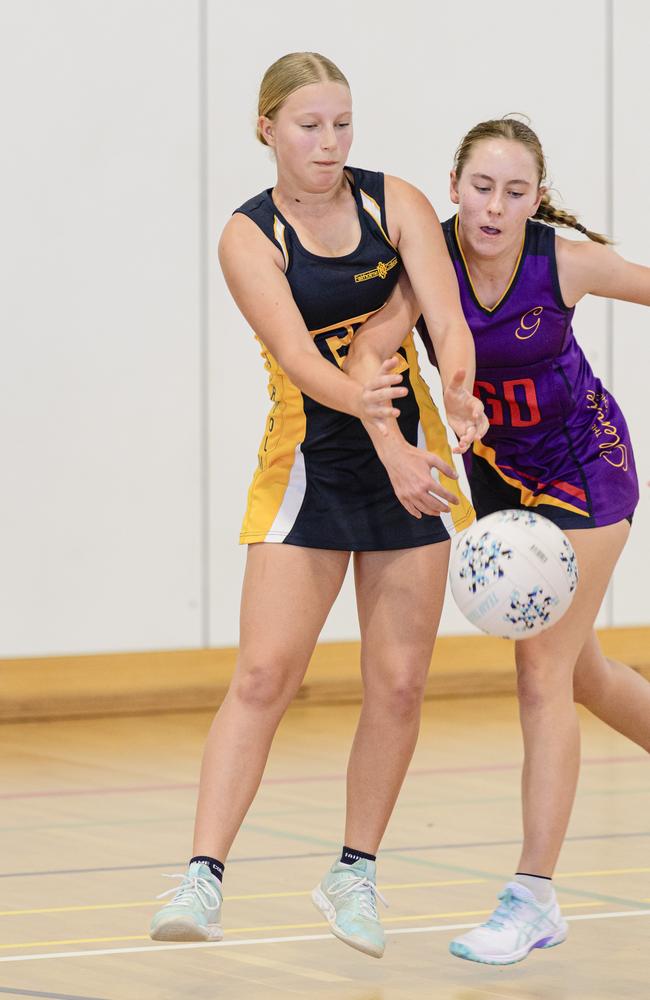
(307, 262)
(557, 444)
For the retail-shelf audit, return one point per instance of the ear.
(453, 187)
(265, 126)
(540, 194)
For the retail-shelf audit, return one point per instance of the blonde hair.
(290, 73)
(518, 131)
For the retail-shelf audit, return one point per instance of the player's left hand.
(377, 395)
(465, 413)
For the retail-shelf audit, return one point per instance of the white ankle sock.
(541, 888)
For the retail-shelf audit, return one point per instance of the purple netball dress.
(558, 442)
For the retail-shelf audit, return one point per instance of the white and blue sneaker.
(347, 897)
(195, 911)
(519, 924)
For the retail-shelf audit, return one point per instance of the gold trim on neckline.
(489, 309)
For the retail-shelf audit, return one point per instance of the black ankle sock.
(349, 856)
(216, 867)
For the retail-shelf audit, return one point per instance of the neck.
(289, 192)
(493, 266)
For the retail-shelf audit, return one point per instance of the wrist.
(389, 446)
(356, 403)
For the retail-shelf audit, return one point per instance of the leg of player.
(287, 594)
(614, 692)
(399, 597)
(528, 915)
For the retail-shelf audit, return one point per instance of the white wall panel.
(101, 310)
(99, 371)
(421, 75)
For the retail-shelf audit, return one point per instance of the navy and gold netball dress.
(319, 482)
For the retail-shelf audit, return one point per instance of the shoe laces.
(190, 887)
(365, 892)
(505, 911)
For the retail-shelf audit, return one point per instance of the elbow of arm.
(362, 357)
(298, 364)
(452, 331)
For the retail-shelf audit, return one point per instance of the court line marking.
(306, 892)
(409, 858)
(604, 871)
(259, 961)
(46, 996)
(273, 927)
(97, 952)
(292, 780)
(230, 899)
(298, 809)
(460, 845)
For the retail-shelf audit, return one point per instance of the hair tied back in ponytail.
(515, 130)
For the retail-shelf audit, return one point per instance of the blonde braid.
(512, 128)
(555, 216)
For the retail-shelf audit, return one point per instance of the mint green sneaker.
(347, 898)
(193, 914)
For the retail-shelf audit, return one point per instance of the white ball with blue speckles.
(513, 573)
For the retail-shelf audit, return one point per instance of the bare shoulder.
(407, 209)
(402, 192)
(240, 231)
(579, 264)
(582, 253)
(241, 237)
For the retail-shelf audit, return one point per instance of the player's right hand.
(410, 470)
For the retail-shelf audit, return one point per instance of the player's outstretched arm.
(380, 336)
(253, 271)
(587, 268)
(409, 468)
(415, 227)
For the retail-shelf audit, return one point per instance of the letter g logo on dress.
(529, 323)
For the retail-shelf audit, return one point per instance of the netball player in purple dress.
(558, 444)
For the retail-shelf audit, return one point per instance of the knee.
(264, 685)
(400, 692)
(541, 680)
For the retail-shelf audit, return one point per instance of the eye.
(516, 194)
(312, 125)
(344, 124)
(481, 189)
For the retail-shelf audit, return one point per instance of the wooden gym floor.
(93, 811)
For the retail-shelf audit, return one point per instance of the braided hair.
(516, 130)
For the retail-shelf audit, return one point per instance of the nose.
(328, 137)
(495, 205)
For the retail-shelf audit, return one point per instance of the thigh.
(597, 551)
(399, 598)
(287, 594)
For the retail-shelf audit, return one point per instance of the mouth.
(325, 163)
(490, 231)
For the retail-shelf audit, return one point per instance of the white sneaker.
(519, 924)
